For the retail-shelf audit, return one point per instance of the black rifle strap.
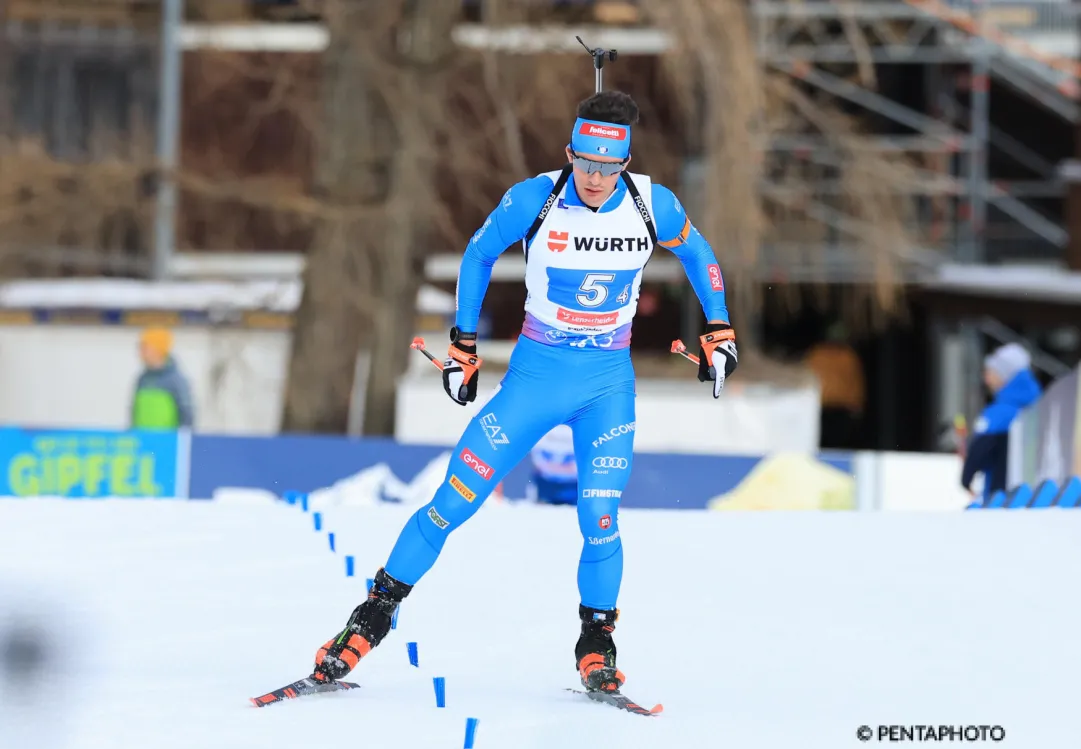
(641, 205)
(564, 175)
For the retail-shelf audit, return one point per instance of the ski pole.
(418, 344)
(679, 348)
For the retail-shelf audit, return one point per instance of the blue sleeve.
(995, 419)
(507, 224)
(676, 233)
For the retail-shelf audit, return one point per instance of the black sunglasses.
(606, 168)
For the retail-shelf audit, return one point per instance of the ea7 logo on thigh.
(462, 489)
(494, 432)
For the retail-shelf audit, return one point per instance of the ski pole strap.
(467, 360)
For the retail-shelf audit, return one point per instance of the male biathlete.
(587, 231)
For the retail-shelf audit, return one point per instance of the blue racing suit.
(572, 362)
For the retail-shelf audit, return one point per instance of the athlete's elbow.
(474, 255)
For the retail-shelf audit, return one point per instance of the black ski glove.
(461, 370)
(717, 356)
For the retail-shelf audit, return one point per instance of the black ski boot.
(367, 626)
(595, 653)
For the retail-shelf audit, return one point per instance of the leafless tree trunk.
(1073, 203)
(381, 94)
(423, 43)
(494, 13)
(329, 320)
(5, 72)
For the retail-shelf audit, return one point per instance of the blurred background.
(223, 221)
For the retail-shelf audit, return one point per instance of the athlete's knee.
(453, 504)
(598, 517)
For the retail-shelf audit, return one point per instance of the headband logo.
(597, 131)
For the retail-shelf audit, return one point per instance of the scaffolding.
(958, 50)
(834, 49)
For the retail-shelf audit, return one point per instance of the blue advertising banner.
(88, 464)
(668, 481)
(301, 463)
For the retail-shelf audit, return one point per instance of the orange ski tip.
(657, 709)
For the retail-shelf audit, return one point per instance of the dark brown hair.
(609, 106)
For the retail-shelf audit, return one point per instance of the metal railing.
(1024, 18)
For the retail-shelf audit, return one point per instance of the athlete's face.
(594, 188)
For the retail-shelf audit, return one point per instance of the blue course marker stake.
(414, 658)
(290, 498)
(304, 502)
(470, 731)
(330, 538)
(349, 566)
(440, 691)
(317, 520)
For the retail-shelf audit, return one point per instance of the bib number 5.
(594, 290)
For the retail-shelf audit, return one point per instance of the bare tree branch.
(721, 84)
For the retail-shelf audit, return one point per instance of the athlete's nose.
(595, 179)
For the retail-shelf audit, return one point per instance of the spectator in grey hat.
(1007, 372)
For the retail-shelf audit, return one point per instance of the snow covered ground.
(776, 630)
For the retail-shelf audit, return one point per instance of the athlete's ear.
(570, 154)
(627, 162)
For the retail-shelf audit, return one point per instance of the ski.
(302, 688)
(620, 701)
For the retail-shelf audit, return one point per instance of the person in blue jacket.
(586, 231)
(1008, 375)
(554, 480)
